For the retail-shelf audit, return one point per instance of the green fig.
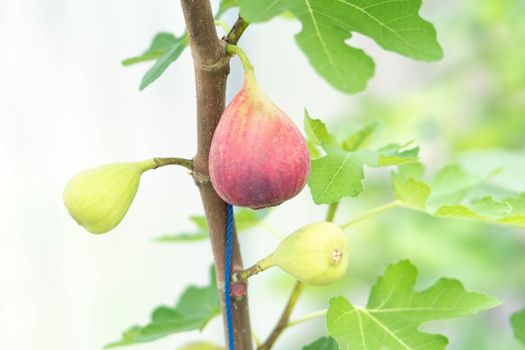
(314, 254)
(99, 198)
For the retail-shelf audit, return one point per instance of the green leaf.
(411, 192)
(411, 170)
(346, 68)
(160, 44)
(458, 211)
(389, 155)
(451, 184)
(339, 173)
(490, 207)
(327, 24)
(168, 57)
(195, 308)
(224, 6)
(336, 175)
(313, 150)
(395, 25)
(517, 321)
(245, 219)
(260, 11)
(517, 204)
(359, 138)
(200, 221)
(316, 131)
(517, 214)
(395, 311)
(324, 343)
(398, 157)
(485, 209)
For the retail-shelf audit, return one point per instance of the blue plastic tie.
(228, 276)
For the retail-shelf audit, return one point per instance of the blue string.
(227, 276)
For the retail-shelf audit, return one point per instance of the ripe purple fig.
(258, 157)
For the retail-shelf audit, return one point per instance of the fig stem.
(332, 208)
(260, 266)
(373, 212)
(249, 73)
(160, 162)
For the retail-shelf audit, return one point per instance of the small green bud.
(99, 198)
(315, 254)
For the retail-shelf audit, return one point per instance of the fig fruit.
(99, 198)
(315, 254)
(258, 157)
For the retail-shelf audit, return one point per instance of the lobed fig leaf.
(396, 311)
(315, 254)
(258, 157)
(99, 198)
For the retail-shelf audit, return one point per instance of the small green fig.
(315, 254)
(99, 198)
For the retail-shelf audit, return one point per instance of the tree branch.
(211, 64)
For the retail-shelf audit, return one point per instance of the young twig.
(235, 33)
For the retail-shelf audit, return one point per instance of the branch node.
(200, 178)
(222, 65)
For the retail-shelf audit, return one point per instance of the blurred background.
(67, 104)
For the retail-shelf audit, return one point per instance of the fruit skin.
(99, 198)
(258, 157)
(315, 254)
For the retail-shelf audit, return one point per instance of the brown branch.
(235, 33)
(285, 317)
(211, 64)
